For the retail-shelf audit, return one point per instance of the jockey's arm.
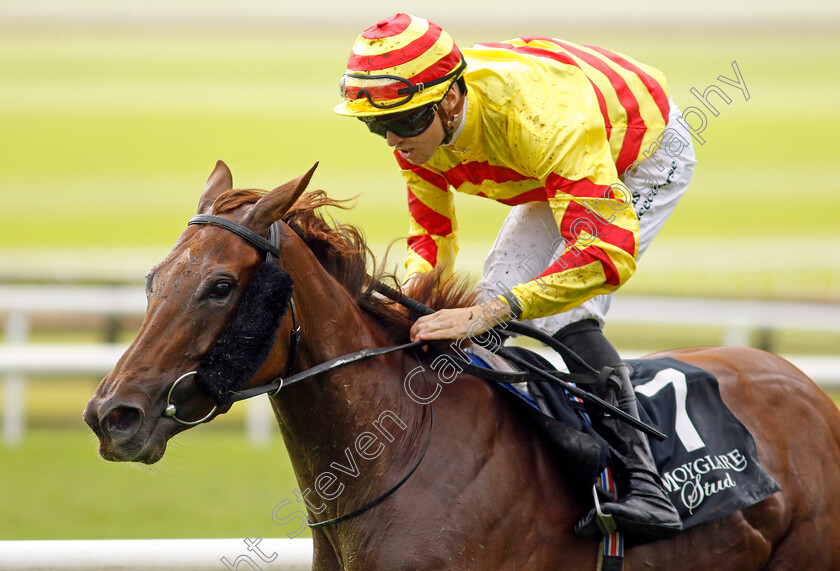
(599, 228)
(600, 237)
(433, 229)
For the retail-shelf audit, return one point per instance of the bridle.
(271, 248)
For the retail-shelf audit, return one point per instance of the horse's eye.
(221, 290)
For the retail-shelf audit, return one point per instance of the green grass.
(211, 483)
(111, 125)
(109, 135)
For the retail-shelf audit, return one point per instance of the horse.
(480, 486)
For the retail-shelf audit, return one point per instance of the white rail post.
(737, 331)
(14, 410)
(258, 421)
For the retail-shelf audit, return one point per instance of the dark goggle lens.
(409, 125)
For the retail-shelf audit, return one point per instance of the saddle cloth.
(708, 463)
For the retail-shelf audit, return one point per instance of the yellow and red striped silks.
(546, 121)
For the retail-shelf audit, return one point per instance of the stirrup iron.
(605, 522)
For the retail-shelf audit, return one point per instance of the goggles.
(405, 125)
(382, 87)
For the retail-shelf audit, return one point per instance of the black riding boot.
(642, 511)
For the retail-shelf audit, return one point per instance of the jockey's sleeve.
(432, 237)
(598, 253)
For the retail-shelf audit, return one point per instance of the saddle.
(708, 463)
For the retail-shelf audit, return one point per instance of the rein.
(565, 380)
(279, 383)
(271, 247)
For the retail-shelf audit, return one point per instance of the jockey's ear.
(220, 180)
(452, 100)
(450, 106)
(276, 203)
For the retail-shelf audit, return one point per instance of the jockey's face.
(419, 149)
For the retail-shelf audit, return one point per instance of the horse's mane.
(343, 251)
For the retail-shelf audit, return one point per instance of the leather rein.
(271, 248)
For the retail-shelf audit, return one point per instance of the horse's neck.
(346, 422)
(355, 432)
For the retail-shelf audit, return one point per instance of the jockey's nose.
(392, 139)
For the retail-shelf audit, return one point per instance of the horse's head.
(193, 296)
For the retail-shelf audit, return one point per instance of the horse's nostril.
(122, 419)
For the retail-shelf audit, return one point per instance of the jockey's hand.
(452, 323)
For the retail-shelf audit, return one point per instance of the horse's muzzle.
(117, 426)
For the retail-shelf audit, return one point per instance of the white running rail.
(158, 554)
(19, 358)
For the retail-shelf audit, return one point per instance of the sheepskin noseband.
(247, 341)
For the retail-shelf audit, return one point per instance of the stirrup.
(605, 522)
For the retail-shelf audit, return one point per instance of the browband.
(237, 229)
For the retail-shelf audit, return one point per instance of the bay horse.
(489, 493)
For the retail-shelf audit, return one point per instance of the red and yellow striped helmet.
(399, 64)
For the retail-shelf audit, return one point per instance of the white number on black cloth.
(686, 432)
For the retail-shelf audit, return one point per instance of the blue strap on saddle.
(479, 362)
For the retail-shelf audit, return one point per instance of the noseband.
(271, 247)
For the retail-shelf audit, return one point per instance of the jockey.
(586, 147)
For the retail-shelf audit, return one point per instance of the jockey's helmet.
(398, 64)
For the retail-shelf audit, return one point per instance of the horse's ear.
(276, 203)
(220, 180)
